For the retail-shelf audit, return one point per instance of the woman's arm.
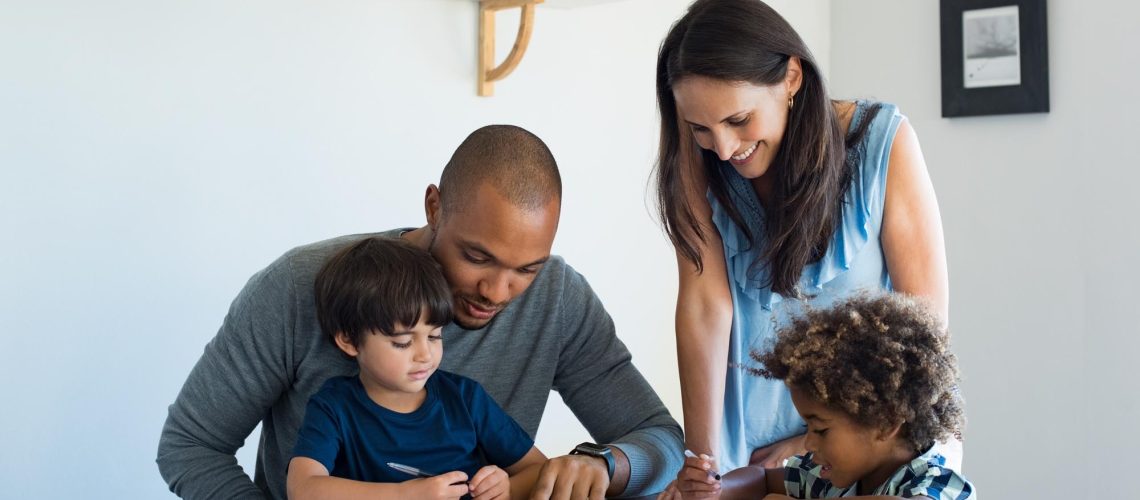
(703, 323)
(912, 227)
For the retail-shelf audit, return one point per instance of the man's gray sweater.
(270, 355)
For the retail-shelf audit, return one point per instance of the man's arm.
(599, 383)
(242, 372)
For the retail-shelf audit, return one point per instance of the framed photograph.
(995, 57)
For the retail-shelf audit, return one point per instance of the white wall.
(1037, 210)
(154, 154)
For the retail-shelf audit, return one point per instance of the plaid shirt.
(925, 475)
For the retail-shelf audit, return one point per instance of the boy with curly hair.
(876, 383)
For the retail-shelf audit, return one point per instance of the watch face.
(592, 449)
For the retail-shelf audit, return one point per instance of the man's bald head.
(515, 162)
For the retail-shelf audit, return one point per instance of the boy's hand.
(450, 486)
(697, 478)
(490, 483)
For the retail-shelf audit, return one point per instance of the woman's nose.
(726, 146)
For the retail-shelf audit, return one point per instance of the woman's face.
(741, 122)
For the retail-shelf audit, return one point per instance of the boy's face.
(847, 451)
(395, 368)
(490, 251)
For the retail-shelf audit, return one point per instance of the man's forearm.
(620, 481)
(194, 471)
(651, 458)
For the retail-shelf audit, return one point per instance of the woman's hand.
(697, 479)
(773, 455)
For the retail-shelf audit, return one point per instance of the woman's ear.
(345, 344)
(794, 77)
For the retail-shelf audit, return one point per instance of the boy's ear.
(891, 433)
(345, 344)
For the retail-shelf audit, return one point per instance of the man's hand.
(773, 455)
(572, 477)
(490, 483)
(450, 486)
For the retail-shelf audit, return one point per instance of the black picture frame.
(984, 79)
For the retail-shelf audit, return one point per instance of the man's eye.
(473, 259)
(820, 431)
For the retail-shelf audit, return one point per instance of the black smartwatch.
(596, 450)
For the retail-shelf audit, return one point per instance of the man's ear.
(345, 344)
(794, 77)
(433, 207)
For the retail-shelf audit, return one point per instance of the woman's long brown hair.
(747, 41)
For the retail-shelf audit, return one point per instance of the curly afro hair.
(882, 359)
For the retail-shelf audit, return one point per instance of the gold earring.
(791, 101)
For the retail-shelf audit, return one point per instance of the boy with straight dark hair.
(384, 303)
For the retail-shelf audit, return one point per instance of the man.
(525, 323)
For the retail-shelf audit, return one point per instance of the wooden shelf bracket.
(488, 72)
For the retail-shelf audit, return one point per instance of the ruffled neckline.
(854, 230)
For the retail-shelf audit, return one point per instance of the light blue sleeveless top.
(757, 411)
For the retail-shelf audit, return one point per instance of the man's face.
(490, 252)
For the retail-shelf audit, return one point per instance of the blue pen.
(412, 471)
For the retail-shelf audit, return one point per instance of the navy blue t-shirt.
(458, 427)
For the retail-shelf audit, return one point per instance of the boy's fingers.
(457, 490)
(453, 477)
(690, 488)
(478, 478)
(484, 478)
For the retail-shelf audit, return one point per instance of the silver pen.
(412, 471)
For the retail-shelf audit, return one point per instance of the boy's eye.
(820, 431)
(435, 338)
(402, 345)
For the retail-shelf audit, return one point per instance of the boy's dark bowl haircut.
(378, 283)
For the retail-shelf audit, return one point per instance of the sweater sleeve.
(597, 380)
(243, 371)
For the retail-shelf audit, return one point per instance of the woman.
(775, 198)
